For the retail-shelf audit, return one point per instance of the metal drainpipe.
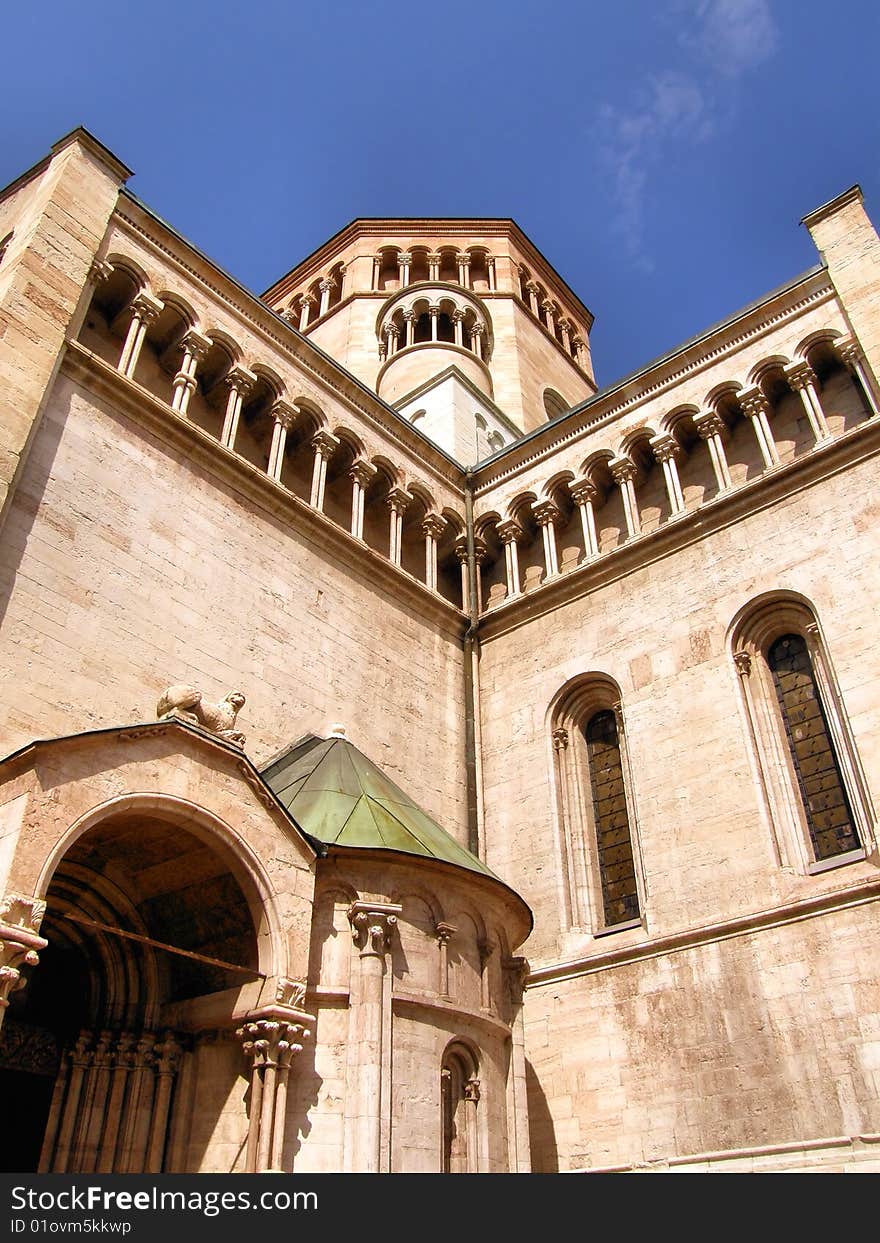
(471, 686)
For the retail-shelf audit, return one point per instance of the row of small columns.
(570, 338)
(308, 300)
(391, 332)
(404, 264)
(270, 1040)
(711, 428)
(239, 382)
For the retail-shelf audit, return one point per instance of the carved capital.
(509, 532)
(434, 257)
(409, 314)
(472, 1090)
(196, 345)
(241, 380)
(327, 284)
(100, 271)
(464, 261)
(308, 299)
(560, 739)
(272, 1040)
(516, 974)
(477, 329)
(325, 444)
(709, 424)
(549, 306)
(146, 308)
(583, 492)
(362, 472)
(622, 470)
(458, 315)
(372, 925)
(753, 403)
(398, 501)
(800, 376)
(284, 414)
(849, 351)
(665, 448)
(532, 287)
(545, 512)
(743, 662)
(445, 932)
(434, 526)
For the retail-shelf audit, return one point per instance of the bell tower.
(461, 325)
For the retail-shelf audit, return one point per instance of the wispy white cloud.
(725, 40)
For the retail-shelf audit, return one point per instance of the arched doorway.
(153, 927)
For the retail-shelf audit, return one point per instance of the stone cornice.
(691, 938)
(329, 539)
(826, 459)
(663, 374)
(423, 453)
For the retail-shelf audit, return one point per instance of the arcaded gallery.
(416, 758)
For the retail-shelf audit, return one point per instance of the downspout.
(472, 742)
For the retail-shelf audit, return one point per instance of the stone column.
(326, 286)
(712, 428)
(324, 445)
(486, 949)
(123, 1060)
(434, 313)
(144, 310)
(360, 475)
(434, 260)
(546, 516)
(403, 264)
(433, 529)
(461, 553)
(585, 494)
(458, 324)
(464, 270)
(20, 942)
(377, 268)
(471, 1101)
(397, 501)
(564, 328)
(509, 532)
(802, 378)
(490, 269)
(392, 332)
(666, 450)
(80, 1061)
(409, 319)
(445, 932)
(133, 1141)
(853, 357)
(239, 383)
(623, 472)
(532, 291)
(195, 349)
(516, 972)
(284, 417)
(271, 1037)
(549, 310)
(372, 925)
(167, 1053)
(308, 301)
(477, 331)
(756, 408)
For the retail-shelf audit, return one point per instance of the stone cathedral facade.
(416, 758)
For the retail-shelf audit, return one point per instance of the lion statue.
(186, 703)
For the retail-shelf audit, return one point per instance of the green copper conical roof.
(342, 798)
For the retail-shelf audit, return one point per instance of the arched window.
(812, 783)
(459, 1102)
(554, 403)
(4, 246)
(617, 873)
(598, 842)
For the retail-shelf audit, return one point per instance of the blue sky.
(660, 154)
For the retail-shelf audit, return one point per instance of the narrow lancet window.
(617, 873)
(826, 807)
